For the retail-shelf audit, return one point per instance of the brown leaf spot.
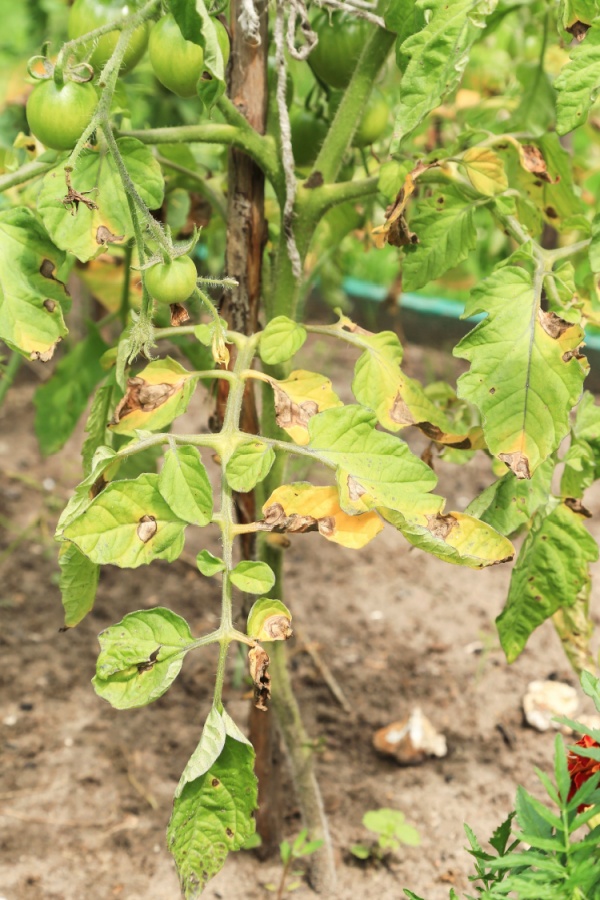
(147, 528)
(229, 832)
(258, 662)
(400, 413)
(43, 355)
(215, 782)
(492, 390)
(277, 628)
(517, 462)
(440, 526)
(105, 236)
(143, 396)
(149, 663)
(355, 489)
(578, 30)
(533, 161)
(50, 305)
(47, 269)
(577, 506)
(276, 520)
(572, 354)
(314, 180)
(179, 315)
(551, 212)
(288, 413)
(553, 324)
(327, 526)
(436, 434)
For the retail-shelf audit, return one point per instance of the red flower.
(581, 767)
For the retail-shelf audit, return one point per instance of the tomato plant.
(481, 170)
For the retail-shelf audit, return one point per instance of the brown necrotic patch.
(147, 528)
(517, 462)
(288, 413)
(440, 526)
(143, 396)
(553, 324)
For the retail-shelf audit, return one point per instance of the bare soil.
(85, 791)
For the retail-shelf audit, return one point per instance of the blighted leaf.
(510, 502)
(454, 537)
(128, 525)
(196, 25)
(208, 564)
(280, 340)
(61, 400)
(32, 300)
(445, 225)
(140, 657)
(372, 468)
(154, 397)
(394, 230)
(81, 219)
(184, 484)
(578, 82)
(213, 815)
(78, 583)
(575, 628)
(248, 464)
(579, 471)
(269, 620)
(258, 666)
(551, 571)
(524, 375)
(301, 507)
(299, 397)
(438, 54)
(85, 492)
(207, 752)
(253, 577)
(485, 171)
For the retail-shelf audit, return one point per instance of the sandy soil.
(85, 791)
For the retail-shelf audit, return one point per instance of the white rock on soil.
(410, 741)
(546, 699)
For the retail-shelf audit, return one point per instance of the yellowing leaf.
(299, 397)
(154, 397)
(485, 171)
(302, 507)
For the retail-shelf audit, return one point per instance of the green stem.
(124, 307)
(215, 198)
(316, 202)
(25, 173)
(10, 372)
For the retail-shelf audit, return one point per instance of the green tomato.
(308, 133)
(340, 44)
(172, 282)
(58, 115)
(177, 63)
(85, 15)
(374, 121)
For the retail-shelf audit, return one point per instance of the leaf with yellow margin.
(485, 171)
(154, 397)
(300, 507)
(300, 397)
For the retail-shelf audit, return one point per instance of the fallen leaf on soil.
(410, 741)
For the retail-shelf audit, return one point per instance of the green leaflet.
(87, 489)
(525, 375)
(280, 340)
(373, 469)
(140, 657)
(213, 814)
(61, 401)
(587, 418)
(552, 569)
(32, 300)
(444, 224)
(403, 18)
(438, 54)
(97, 179)
(196, 25)
(253, 577)
(184, 484)
(208, 564)
(78, 583)
(578, 82)
(249, 463)
(579, 469)
(95, 427)
(207, 752)
(510, 502)
(128, 524)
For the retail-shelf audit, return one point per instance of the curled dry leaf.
(532, 161)
(411, 740)
(179, 315)
(258, 661)
(395, 230)
(143, 396)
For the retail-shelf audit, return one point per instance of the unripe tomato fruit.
(172, 282)
(85, 15)
(373, 122)
(308, 133)
(177, 63)
(58, 115)
(340, 44)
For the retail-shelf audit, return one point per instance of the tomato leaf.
(578, 82)
(269, 620)
(299, 397)
(208, 564)
(253, 577)
(207, 752)
(96, 424)
(249, 463)
(154, 397)
(510, 502)
(280, 340)
(140, 657)
(78, 583)
(196, 25)
(184, 484)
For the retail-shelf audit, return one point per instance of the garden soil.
(85, 790)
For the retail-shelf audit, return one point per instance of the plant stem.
(124, 307)
(25, 173)
(215, 198)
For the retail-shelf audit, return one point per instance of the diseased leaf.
(32, 300)
(578, 82)
(575, 628)
(94, 482)
(550, 573)
(184, 485)
(510, 502)
(207, 752)
(301, 507)
(579, 469)
(269, 620)
(299, 397)
(213, 815)
(61, 400)
(445, 226)
(94, 211)
(196, 25)
(525, 370)
(253, 577)
(97, 422)
(128, 525)
(249, 463)
(280, 340)
(78, 583)
(208, 564)
(485, 171)
(438, 54)
(154, 397)
(140, 657)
